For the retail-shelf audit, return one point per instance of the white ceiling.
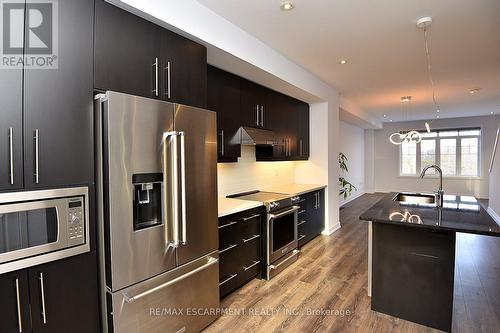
(385, 50)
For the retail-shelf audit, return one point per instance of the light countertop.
(228, 206)
(295, 188)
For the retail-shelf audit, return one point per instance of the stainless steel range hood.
(250, 136)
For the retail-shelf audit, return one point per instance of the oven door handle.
(294, 252)
(286, 212)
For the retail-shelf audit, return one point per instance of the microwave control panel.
(76, 221)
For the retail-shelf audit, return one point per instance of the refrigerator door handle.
(131, 299)
(174, 233)
(183, 187)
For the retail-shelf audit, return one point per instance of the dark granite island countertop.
(411, 255)
(459, 214)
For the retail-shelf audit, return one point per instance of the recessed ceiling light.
(437, 116)
(343, 62)
(437, 111)
(491, 112)
(405, 98)
(473, 91)
(390, 120)
(287, 5)
(385, 116)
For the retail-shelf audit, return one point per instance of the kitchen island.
(411, 255)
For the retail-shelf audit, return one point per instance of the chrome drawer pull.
(301, 237)
(252, 265)
(251, 217)
(232, 276)
(132, 299)
(301, 222)
(227, 225)
(251, 238)
(294, 252)
(302, 211)
(228, 248)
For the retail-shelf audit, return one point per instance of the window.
(456, 151)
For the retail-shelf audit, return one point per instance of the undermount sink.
(415, 198)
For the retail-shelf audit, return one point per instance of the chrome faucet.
(440, 193)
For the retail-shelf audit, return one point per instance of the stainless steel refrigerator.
(157, 211)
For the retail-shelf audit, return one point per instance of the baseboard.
(351, 198)
(494, 215)
(331, 230)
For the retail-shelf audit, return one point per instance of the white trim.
(331, 230)
(351, 198)
(494, 215)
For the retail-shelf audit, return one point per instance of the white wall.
(369, 161)
(248, 175)
(494, 202)
(352, 144)
(386, 159)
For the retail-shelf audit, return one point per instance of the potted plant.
(345, 186)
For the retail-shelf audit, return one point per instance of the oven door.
(282, 233)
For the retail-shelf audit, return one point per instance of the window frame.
(437, 157)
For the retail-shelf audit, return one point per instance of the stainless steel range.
(280, 229)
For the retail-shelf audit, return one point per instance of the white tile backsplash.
(248, 175)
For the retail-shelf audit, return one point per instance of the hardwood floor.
(331, 275)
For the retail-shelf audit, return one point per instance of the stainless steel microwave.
(41, 226)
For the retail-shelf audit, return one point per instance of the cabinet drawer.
(228, 233)
(228, 258)
(249, 228)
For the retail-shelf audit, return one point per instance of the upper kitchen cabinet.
(58, 102)
(183, 70)
(127, 52)
(255, 108)
(302, 138)
(138, 57)
(11, 137)
(224, 98)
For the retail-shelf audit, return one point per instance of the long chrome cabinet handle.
(300, 144)
(232, 276)
(294, 252)
(222, 142)
(250, 239)
(257, 108)
(11, 156)
(262, 115)
(132, 299)
(155, 65)
(183, 187)
(227, 224)
(232, 246)
(36, 142)
(293, 209)
(18, 298)
(172, 135)
(42, 292)
(168, 71)
(250, 217)
(246, 268)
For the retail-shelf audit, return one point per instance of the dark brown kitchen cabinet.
(58, 121)
(58, 297)
(14, 303)
(126, 51)
(303, 131)
(64, 295)
(11, 131)
(224, 98)
(311, 217)
(240, 249)
(255, 106)
(138, 57)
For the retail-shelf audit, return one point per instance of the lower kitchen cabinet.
(311, 216)
(60, 296)
(240, 249)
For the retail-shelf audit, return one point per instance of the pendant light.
(401, 137)
(423, 24)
